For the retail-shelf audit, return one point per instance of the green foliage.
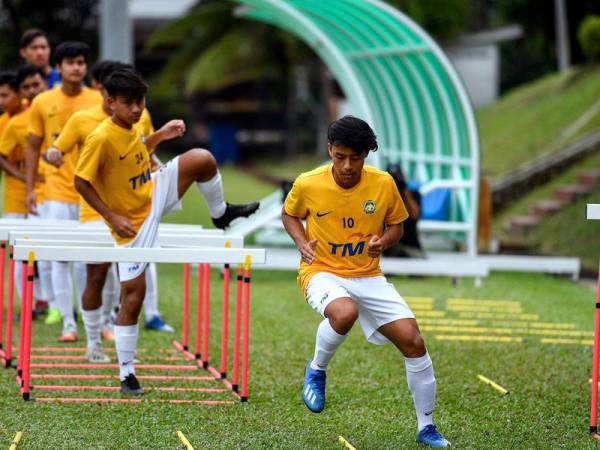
(589, 37)
(443, 22)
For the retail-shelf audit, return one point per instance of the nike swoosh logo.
(126, 362)
(320, 214)
(429, 413)
(121, 158)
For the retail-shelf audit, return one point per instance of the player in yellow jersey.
(10, 102)
(353, 212)
(113, 175)
(27, 83)
(49, 113)
(96, 307)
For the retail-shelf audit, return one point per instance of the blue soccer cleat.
(432, 437)
(313, 391)
(157, 324)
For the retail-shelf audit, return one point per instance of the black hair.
(29, 70)
(70, 49)
(30, 35)
(354, 133)
(9, 77)
(103, 69)
(126, 82)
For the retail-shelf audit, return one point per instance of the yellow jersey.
(116, 162)
(344, 220)
(13, 142)
(72, 138)
(49, 114)
(4, 117)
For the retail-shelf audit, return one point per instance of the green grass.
(368, 401)
(528, 121)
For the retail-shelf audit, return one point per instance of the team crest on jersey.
(369, 207)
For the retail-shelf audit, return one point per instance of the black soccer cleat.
(233, 212)
(131, 386)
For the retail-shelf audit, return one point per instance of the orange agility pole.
(594, 400)
(237, 325)
(26, 322)
(22, 323)
(206, 316)
(2, 274)
(131, 400)
(246, 337)
(199, 300)
(87, 376)
(225, 321)
(9, 309)
(59, 387)
(186, 304)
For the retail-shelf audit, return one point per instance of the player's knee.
(96, 278)
(415, 346)
(345, 317)
(204, 159)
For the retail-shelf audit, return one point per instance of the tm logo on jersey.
(141, 179)
(350, 248)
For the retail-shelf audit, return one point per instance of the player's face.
(347, 165)
(32, 86)
(126, 111)
(37, 53)
(9, 99)
(72, 70)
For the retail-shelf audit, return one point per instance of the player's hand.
(375, 247)
(307, 250)
(122, 226)
(173, 129)
(32, 203)
(55, 157)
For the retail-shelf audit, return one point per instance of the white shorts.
(378, 301)
(61, 210)
(165, 199)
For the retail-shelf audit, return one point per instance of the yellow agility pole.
(184, 440)
(16, 440)
(345, 443)
(492, 384)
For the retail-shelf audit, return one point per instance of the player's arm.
(32, 157)
(295, 228)
(8, 144)
(11, 169)
(391, 236)
(67, 140)
(170, 130)
(120, 224)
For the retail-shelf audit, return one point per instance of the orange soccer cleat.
(69, 337)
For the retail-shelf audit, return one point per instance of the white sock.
(151, 299)
(92, 320)
(421, 382)
(110, 295)
(80, 275)
(126, 344)
(328, 340)
(212, 191)
(17, 282)
(62, 287)
(45, 268)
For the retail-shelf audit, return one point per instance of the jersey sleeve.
(396, 212)
(36, 119)
(295, 202)
(146, 123)
(68, 139)
(8, 141)
(90, 158)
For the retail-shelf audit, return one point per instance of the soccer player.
(49, 113)
(113, 176)
(353, 212)
(72, 137)
(9, 99)
(35, 50)
(22, 88)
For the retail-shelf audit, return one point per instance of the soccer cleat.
(96, 355)
(432, 437)
(69, 337)
(313, 391)
(157, 324)
(53, 316)
(131, 386)
(233, 212)
(107, 335)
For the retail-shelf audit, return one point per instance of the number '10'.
(348, 222)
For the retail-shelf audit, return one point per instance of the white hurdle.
(32, 241)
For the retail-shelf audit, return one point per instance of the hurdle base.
(185, 348)
(198, 356)
(223, 375)
(205, 365)
(26, 396)
(243, 399)
(234, 387)
(8, 363)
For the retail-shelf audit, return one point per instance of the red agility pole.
(9, 309)
(2, 274)
(26, 319)
(594, 401)
(206, 316)
(59, 387)
(186, 304)
(70, 376)
(236, 336)
(246, 337)
(131, 400)
(110, 366)
(225, 318)
(199, 300)
(22, 322)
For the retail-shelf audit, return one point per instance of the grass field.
(368, 401)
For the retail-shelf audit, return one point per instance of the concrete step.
(544, 207)
(589, 177)
(571, 192)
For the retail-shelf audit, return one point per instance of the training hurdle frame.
(593, 213)
(68, 248)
